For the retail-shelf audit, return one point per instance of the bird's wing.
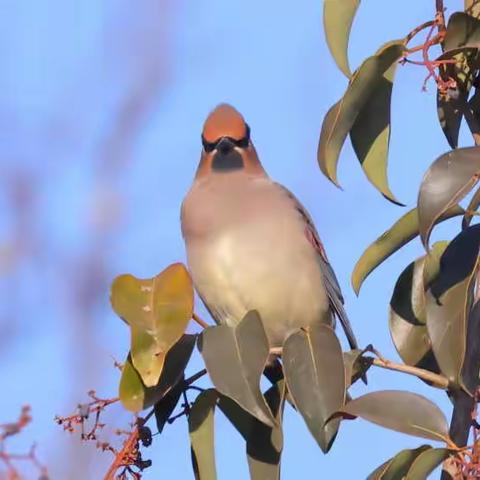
(331, 283)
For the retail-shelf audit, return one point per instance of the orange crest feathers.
(224, 121)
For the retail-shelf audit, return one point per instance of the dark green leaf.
(164, 408)
(201, 429)
(135, 396)
(370, 134)
(158, 311)
(315, 375)
(404, 230)
(446, 182)
(235, 359)
(264, 444)
(404, 412)
(426, 463)
(337, 20)
(449, 301)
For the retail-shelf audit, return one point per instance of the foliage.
(433, 313)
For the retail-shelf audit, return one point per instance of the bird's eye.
(243, 142)
(208, 146)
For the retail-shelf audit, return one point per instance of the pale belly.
(260, 268)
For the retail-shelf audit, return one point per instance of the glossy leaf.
(426, 463)
(400, 463)
(370, 133)
(263, 444)
(404, 230)
(446, 182)
(135, 396)
(201, 429)
(315, 375)
(235, 359)
(337, 21)
(403, 412)
(449, 301)
(158, 311)
(406, 316)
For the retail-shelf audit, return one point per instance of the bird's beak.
(225, 146)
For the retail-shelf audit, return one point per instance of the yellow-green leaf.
(402, 231)
(201, 429)
(158, 311)
(340, 118)
(337, 20)
(426, 463)
(370, 133)
(135, 396)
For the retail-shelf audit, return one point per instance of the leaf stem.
(201, 322)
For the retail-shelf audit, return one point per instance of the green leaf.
(264, 444)
(449, 301)
(201, 429)
(315, 375)
(337, 20)
(340, 118)
(446, 182)
(472, 207)
(404, 412)
(377, 474)
(235, 358)
(135, 396)
(158, 311)
(400, 464)
(426, 463)
(370, 133)
(404, 230)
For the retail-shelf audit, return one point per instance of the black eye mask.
(242, 143)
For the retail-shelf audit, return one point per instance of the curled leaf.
(427, 462)
(337, 20)
(370, 133)
(449, 301)
(445, 183)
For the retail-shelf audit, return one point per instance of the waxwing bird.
(250, 244)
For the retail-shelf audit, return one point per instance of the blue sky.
(67, 69)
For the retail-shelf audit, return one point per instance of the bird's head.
(227, 146)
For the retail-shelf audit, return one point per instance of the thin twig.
(437, 380)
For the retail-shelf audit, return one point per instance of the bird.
(250, 244)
